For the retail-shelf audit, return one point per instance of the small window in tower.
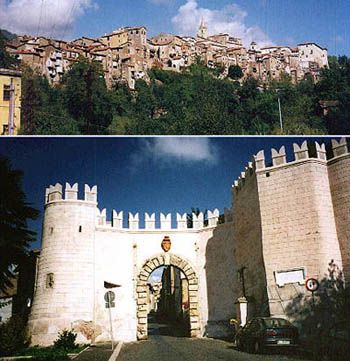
(49, 280)
(6, 95)
(51, 230)
(80, 228)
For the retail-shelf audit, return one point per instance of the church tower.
(202, 33)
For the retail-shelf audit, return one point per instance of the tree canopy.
(199, 100)
(15, 237)
(6, 60)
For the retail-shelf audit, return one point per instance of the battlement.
(164, 220)
(279, 159)
(55, 193)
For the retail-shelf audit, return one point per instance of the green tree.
(7, 61)
(43, 110)
(86, 96)
(15, 236)
(235, 72)
(196, 211)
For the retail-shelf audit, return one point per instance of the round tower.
(64, 289)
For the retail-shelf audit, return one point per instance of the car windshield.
(276, 322)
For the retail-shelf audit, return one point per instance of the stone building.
(288, 221)
(10, 101)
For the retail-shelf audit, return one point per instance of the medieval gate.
(166, 259)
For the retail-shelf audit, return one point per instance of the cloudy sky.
(281, 22)
(137, 174)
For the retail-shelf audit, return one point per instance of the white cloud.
(42, 17)
(229, 19)
(177, 149)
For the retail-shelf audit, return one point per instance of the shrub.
(13, 336)
(66, 340)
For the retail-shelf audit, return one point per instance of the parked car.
(334, 343)
(263, 332)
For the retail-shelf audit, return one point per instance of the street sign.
(109, 298)
(311, 284)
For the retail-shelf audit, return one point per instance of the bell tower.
(202, 33)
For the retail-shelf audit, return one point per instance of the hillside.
(8, 35)
(191, 102)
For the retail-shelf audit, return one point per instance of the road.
(166, 344)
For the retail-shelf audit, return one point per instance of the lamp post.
(279, 109)
(241, 278)
(242, 301)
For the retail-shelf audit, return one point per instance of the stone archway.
(166, 259)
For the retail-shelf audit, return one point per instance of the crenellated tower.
(64, 291)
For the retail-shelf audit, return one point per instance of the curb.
(116, 352)
(75, 356)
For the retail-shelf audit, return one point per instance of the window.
(5, 129)
(49, 280)
(7, 92)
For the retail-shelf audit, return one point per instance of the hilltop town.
(126, 54)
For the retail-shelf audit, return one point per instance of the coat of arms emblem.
(166, 244)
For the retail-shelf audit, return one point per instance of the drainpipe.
(12, 107)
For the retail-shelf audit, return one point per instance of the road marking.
(116, 351)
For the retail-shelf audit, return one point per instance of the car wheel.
(257, 348)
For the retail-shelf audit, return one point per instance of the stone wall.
(248, 252)
(217, 279)
(339, 178)
(297, 224)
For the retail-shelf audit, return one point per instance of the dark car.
(264, 332)
(334, 344)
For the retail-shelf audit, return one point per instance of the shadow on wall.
(221, 286)
(331, 303)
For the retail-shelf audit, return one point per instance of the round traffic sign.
(311, 284)
(109, 296)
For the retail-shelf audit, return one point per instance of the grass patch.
(50, 353)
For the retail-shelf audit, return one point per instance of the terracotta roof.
(102, 49)
(24, 52)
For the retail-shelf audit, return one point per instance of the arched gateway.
(166, 259)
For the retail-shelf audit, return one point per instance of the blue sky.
(278, 22)
(138, 174)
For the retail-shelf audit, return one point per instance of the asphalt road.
(100, 352)
(166, 344)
